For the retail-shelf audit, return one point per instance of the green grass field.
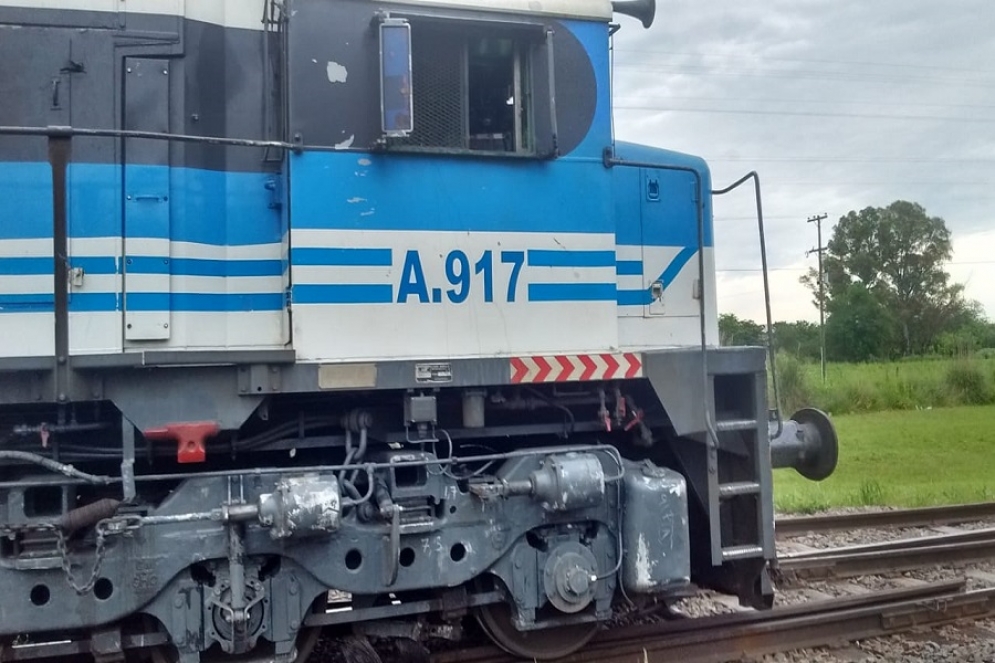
(899, 385)
(902, 458)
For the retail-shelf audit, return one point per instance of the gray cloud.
(838, 105)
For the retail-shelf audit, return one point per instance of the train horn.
(644, 10)
(807, 443)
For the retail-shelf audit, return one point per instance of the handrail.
(763, 260)
(610, 160)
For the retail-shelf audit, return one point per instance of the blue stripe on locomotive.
(357, 191)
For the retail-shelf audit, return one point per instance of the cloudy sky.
(839, 105)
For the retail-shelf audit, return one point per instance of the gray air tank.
(657, 553)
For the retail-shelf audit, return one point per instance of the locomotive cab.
(357, 319)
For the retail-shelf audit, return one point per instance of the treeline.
(801, 339)
(885, 293)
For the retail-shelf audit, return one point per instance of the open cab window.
(471, 88)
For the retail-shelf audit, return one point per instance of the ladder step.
(733, 553)
(738, 488)
(736, 424)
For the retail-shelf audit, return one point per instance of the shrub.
(792, 382)
(969, 384)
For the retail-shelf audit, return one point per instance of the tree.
(800, 339)
(859, 326)
(896, 254)
(733, 331)
(967, 333)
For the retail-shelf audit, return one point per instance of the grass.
(902, 385)
(910, 459)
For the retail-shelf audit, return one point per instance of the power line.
(857, 63)
(903, 104)
(801, 74)
(864, 116)
(756, 270)
(870, 159)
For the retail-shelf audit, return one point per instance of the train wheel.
(547, 644)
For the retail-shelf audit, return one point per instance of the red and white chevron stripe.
(576, 368)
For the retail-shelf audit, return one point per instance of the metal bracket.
(259, 379)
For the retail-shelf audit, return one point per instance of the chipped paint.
(346, 144)
(365, 162)
(301, 506)
(316, 505)
(356, 200)
(644, 564)
(336, 72)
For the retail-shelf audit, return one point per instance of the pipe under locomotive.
(353, 317)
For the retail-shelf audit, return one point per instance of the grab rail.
(763, 262)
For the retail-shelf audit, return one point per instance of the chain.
(67, 566)
(104, 529)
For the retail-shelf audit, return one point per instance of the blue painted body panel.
(213, 208)
(356, 191)
(206, 206)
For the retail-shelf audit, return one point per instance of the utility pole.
(822, 290)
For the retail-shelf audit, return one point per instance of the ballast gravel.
(968, 642)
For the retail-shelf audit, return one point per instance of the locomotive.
(353, 316)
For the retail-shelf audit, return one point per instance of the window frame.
(529, 39)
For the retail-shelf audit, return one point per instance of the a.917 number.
(463, 277)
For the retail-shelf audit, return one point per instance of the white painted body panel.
(475, 328)
(30, 333)
(679, 324)
(244, 14)
(247, 14)
(362, 332)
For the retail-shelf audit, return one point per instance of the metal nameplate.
(433, 373)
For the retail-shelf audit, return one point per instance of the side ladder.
(740, 505)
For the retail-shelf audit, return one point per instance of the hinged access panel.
(670, 242)
(146, 202)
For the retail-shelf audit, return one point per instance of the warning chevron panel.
(576, 368)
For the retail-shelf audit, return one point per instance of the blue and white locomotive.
(353, 315)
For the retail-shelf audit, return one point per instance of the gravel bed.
(960, 643)
(872, 535)
(840, 538)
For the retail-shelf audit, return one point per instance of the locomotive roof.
(585, 9)
(246, 13)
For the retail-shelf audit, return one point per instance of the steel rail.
(923, 517)
(886, 557)
(731, 636)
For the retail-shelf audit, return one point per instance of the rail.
(922, 517)
(887, 557)
(730, 637)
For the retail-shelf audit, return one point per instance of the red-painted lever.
(190, 439)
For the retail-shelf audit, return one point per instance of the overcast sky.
(839, 105)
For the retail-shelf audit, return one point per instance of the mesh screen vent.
(440, 114)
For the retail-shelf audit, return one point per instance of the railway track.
(924, 517)
(887, 557)
(834, 621)
(731, 636)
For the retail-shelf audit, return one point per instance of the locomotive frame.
(539, 488)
